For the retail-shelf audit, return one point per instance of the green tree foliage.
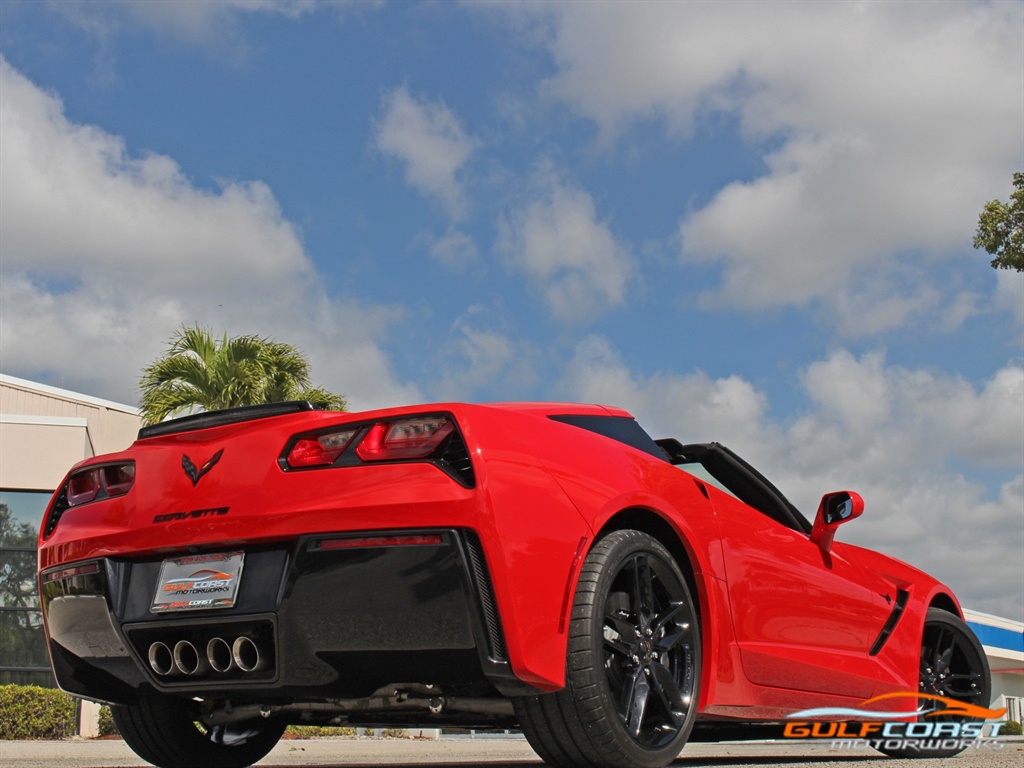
(1001, 229)
(202, 373)
(21, 642)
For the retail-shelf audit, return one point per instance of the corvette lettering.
(195, 514)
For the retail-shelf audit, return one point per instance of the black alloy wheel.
(633, 667)
(952, 665)
(167, 732)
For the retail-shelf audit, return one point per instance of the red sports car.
(543, 566)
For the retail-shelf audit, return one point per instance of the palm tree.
(201, 373)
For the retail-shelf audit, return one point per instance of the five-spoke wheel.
(633, 667)
(953, 665)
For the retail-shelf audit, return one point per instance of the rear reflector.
(382, 541)
(413, 438)
(68, 573)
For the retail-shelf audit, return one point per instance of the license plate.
(198, 582)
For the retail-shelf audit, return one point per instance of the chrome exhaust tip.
(246, 655)
(161, 660)
(187, 658)
(219, 654)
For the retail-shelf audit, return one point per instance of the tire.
(953, 665)
(164, 731)
(633, 665)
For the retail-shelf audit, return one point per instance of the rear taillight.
(319, 450)
(434, 438)
(414, 438)
(83, 487)
(90, 484)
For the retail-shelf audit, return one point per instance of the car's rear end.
(279, 558)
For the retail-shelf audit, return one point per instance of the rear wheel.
(633, 667)
(953, 665)
(166, 731)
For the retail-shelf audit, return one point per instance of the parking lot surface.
(494, 753)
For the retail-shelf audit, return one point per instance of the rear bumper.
(310, 621)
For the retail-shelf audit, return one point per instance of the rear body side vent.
(485, 589)
(454, 457)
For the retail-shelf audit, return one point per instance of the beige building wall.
(45, 430)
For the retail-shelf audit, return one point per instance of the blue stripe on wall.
(997, 637)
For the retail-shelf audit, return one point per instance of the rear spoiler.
(225, 416)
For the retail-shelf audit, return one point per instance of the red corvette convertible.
(543, 566)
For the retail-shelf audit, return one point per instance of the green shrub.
(107, 725)
(394, 733)
(1011, 728)
(31, 712)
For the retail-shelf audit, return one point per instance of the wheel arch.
(657, 527)
(946, 602)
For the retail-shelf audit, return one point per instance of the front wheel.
(633, 667)
(953, 665)
(166, 732)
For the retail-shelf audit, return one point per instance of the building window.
(23, 658)
(1013, 708)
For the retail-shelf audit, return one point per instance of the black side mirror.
(835, 509)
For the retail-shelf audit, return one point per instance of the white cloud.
(104, 254)
(909, 440)
(455, 249)
(573, 258)
(483, 360)
(1010, 296)
(202, 22)
(431, 142)
(886, 125)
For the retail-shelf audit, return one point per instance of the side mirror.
(835, 509)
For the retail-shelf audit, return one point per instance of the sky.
(748, 222)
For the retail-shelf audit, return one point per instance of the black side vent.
(455, 459)
(902, 596)
(59, 507)
(485, 589)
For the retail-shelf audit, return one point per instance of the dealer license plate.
(198, 582)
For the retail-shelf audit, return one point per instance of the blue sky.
(748, 222)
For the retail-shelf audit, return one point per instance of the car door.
(803, 621)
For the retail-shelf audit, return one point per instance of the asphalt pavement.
(497, 753)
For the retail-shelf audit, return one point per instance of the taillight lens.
(319, 450)
(118, 478)
(112, 479)
(413, 438)
(83, 487)
(432, 437)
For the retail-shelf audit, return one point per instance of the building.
(44, 430)
(1003, 641)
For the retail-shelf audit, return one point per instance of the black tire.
(633, 666)
(165, 732)
(953, 665)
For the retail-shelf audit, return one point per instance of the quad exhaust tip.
(247, 655)
(161, 660)
(218, 653)
(220, 656)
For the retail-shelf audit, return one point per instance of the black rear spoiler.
(225, 416)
